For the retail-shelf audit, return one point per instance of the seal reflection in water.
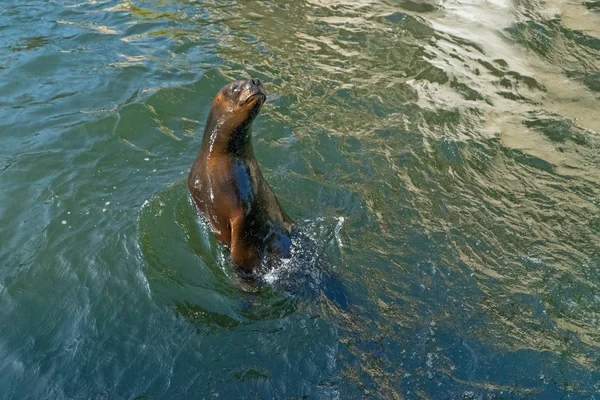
(227, 185)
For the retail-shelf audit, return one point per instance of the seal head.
(227, 185)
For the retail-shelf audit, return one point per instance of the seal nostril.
(255, 82)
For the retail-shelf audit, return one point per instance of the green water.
(443, 156)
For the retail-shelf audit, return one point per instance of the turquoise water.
(442, 155)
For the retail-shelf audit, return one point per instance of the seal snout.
(250, 91)
(254, 87)
(244, 92)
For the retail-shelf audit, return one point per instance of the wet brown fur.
(227, 185)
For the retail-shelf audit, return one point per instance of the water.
(457, 141)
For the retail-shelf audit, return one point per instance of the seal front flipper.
(243, 256)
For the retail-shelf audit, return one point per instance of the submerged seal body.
(228, 186)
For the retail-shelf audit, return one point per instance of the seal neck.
(223, 137)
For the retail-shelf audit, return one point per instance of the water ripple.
(456, 139)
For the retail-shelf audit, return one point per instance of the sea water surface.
(442, 154)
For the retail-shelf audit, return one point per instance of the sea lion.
(228, 186)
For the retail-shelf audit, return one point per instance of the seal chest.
(227, 185)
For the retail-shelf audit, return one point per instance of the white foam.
(273, 275)
(305, 268)
(338, 228)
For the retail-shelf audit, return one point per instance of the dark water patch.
(555, 43)
(465, 90)
(32, 43)
(515, 97)
(420, 7)
(592, 5)
(491, 68)
(557, 130)
(592, 81)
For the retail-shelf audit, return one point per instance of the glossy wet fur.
(227, 185)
